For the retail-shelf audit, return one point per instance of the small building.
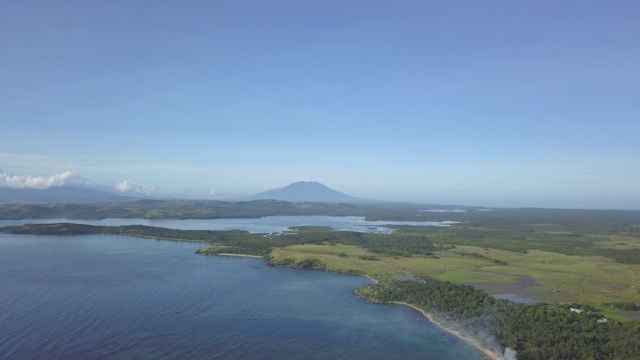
(577, 311)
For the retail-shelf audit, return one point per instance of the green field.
(549, 277)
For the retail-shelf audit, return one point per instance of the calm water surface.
(267, 224)
(112, 297)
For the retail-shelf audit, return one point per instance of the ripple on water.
(77, 300)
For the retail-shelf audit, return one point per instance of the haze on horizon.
(473, 103)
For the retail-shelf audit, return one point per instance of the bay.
(115, 297)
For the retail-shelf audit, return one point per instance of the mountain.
(307, 191)
(58, 194)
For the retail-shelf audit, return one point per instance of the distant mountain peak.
(306, 191)
(313, 185)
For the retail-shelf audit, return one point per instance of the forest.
(539, 331)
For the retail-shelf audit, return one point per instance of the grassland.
(540, 275)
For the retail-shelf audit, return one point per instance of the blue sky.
(496, 103)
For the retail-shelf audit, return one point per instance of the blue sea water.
(114, 297)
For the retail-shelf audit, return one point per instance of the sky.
(493, 103)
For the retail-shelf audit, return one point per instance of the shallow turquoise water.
(112, 297)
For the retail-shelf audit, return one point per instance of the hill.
(58, 194)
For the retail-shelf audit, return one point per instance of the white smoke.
(488, 341)
(483, 338)
(509, 354)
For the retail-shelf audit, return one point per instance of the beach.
(473, 342)
(488, 353)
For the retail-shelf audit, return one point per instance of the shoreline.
(241, 255)
(163, 238)
(488, 353)
(370, 278)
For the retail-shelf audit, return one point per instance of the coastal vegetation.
(533, 331)
(175, 209)
(588, 260)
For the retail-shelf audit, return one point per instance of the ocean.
(116, 297)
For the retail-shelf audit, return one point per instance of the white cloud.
(124, 186)
(70, 179)
(129, 187)
(269, 187)
(42, 182)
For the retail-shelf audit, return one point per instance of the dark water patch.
(631, 315)
(516, 298)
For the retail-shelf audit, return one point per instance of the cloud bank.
(129, 187)
(42, 182)
(73, 180)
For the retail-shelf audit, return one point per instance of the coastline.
(488, 353)
(241, 255)
(163, 238)
(485, 351)
(370, 278)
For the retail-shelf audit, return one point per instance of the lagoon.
(267, 224)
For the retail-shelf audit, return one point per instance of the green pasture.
(564, 278)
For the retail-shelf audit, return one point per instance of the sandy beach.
(488, 353)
